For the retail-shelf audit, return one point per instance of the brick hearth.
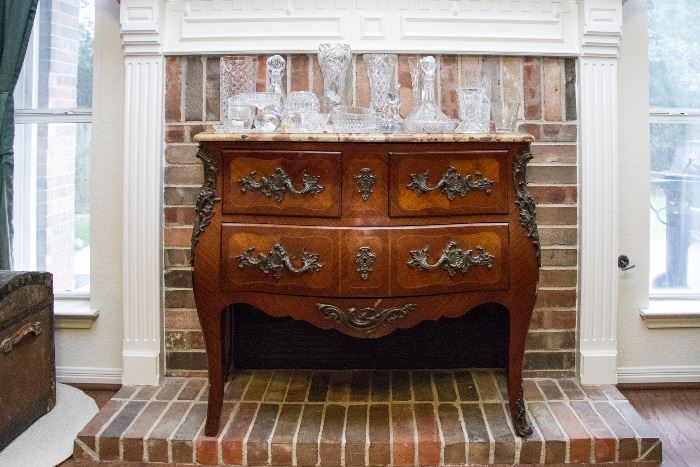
(333, 418)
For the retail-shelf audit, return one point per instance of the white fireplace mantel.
(587, 29)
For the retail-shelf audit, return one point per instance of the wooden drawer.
(441, 259)
(280, 259)
(283, 183)
(448, 183)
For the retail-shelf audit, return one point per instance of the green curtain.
(16, 19)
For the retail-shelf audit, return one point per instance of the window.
(53, 102)
(674, 67)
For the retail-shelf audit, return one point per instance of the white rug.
(49, 441)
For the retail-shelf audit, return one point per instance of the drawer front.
(282, 259)
(283, 183)
(433, 260)
(448, 183)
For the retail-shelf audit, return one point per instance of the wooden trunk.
(27, 369)
(364, 234)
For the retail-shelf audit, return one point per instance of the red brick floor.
(334, 418)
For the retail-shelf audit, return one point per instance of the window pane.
(62, 161)
(674, 55)
(58, 66)
(675, 208)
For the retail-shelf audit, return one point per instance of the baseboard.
(659, 374)
(598, 367)
(88, 375)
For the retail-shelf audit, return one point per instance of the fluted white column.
(143, 136)
(598, 191)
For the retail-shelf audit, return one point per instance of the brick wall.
(548, 112)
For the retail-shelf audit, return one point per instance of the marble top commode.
(371, 137)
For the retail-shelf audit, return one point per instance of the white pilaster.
(600, 36)
(143, 136)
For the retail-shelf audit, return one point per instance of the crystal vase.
(237, 76)
(334, 60)
(381, 70)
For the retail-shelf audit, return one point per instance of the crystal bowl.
(352, 119)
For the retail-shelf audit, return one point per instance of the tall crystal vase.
(334, 60)
(237, 76)
(380, 71)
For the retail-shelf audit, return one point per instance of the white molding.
(659, 374)
(598, 197)
(217, 26)
(143, 139)
(665, 314)
(74, 314)
(81, 374)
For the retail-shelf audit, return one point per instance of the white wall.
(95, 354)
(650, 354)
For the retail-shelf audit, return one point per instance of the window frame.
(25, 161)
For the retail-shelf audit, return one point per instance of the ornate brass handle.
(451, 183)
(279, 183)
(30, 328)
(452, 259)
(277, 260)
(367, 319)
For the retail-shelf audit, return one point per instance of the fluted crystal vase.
(381, 73)
(334, 60)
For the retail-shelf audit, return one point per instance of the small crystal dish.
(346, 119)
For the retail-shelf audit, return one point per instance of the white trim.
(82, 374)
(74, 314)
(659, 374)
(598, 198)
(671, 314)
(549, 27)
(142, 208)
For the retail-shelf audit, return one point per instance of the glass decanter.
(427, 116)
(334, 60)
(276, 67)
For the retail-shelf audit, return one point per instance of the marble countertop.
(371, 137)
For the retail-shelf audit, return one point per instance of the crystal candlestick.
(276, 67)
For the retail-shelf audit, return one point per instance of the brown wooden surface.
(427, 295)
(405, 202)
(240, 164)
(675, 415)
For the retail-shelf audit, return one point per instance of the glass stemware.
(334, 60)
